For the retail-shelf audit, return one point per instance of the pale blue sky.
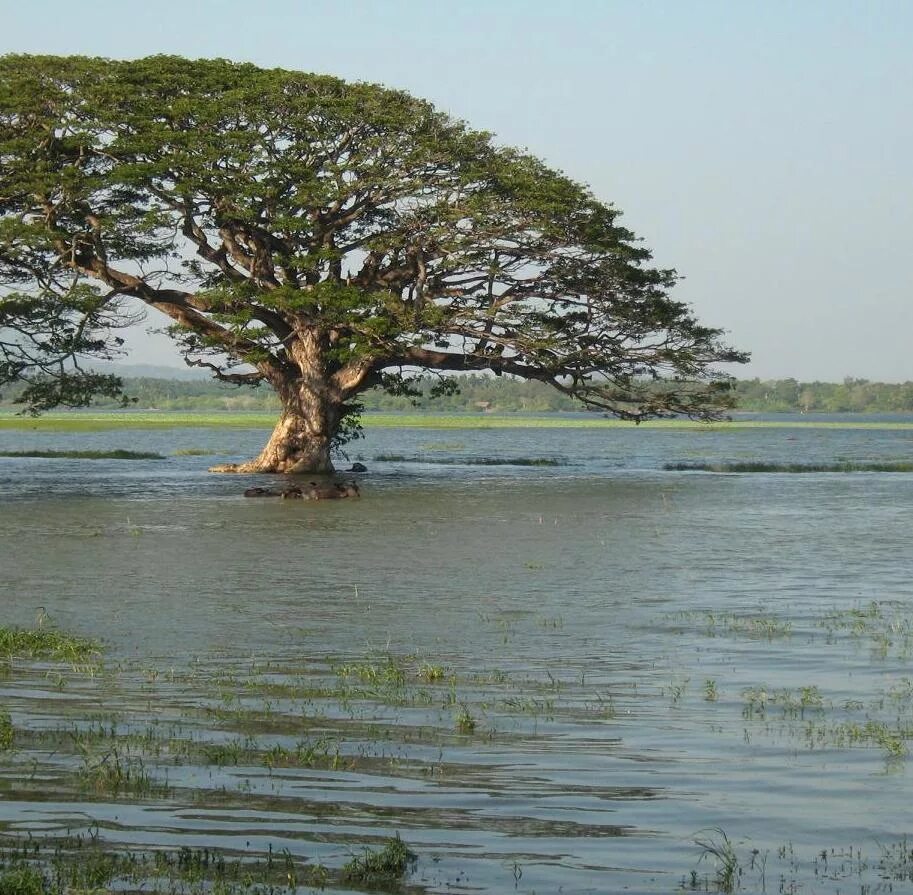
(764, 149)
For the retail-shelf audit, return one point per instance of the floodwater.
(544, 678)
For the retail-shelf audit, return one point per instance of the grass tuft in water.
(118, 773)
(23, 881)
(6, 731)
(716, 846)
(379, 869)
(465, 723)
(84, 455)
(47, 643)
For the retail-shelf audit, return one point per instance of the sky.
(762, 148)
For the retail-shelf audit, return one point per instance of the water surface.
(577, 612)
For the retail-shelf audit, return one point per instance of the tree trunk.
(295, 446)
(301, 440)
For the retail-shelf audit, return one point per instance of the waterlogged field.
(531, 660)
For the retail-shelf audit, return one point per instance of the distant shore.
(98, 420)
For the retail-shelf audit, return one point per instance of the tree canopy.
(322, 237)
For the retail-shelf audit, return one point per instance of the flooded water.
(544, 678)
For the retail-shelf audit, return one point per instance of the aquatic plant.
(6, 731)
(886, 625)
(22, 880)
(759, 625)
(375, 869)
(716, 846)
(465, 723)
(431, 673)
(118, 772)
(48, 643)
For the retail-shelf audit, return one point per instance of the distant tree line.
(849, 396)
(478, 393)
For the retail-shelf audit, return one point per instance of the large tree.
(326, 237)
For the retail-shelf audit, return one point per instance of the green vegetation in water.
(885, 626)
(717, 847)
(119, 773)
(84, 455)
(886, 466)
(762, 626)
(193, 452)
(81, 865)
(6, 731)
(742, 867)
(465, 722)
(793, 703)
(47, 643)
(380, 869)
(472, 461)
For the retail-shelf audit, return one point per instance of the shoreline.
(88, 421)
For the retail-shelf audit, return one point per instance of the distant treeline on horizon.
(479, 393)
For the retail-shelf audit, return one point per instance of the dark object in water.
(357, 467)
(336, 491)
(312, 491)
(261, 492)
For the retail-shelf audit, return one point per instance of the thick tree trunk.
(311, 412)
(300, 443)
(296, 445)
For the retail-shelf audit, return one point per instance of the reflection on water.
(510, 665)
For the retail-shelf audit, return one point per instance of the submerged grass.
(84, 455)
(886, 466)
(82, 865)
(761, 626)
(471, 461)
